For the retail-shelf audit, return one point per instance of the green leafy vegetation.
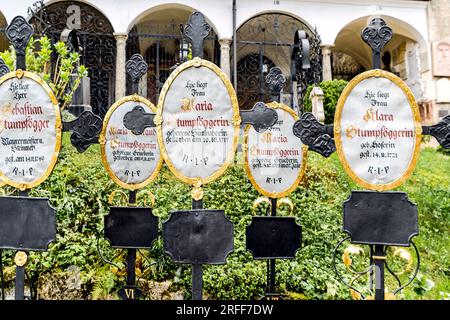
(79, 188)
(67, 73)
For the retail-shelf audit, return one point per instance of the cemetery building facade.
(249, 37)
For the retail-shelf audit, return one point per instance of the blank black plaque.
(26, 223)
(131, 227)
(385, 218)
(273, 237)
(198, 236)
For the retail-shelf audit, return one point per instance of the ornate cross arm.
(137, 120)
(3, 68)
(85, 130)
(318, 137)
(260, 117)
(275, 80)
(441, 131)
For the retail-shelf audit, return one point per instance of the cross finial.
(275, 80)
(377, 34)
(136, 67)
(196, 30)
(19, 33)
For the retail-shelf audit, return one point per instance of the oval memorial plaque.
(132, 161)
(198, 122)
(30, 129)
(377, 130)
(275, 160)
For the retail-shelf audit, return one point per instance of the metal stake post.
(19, 33)
(272, 262)
(275, 81)
(196, 30)
(377, 34)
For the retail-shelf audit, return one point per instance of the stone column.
(327, 71)
(225, 55)
(121, 41)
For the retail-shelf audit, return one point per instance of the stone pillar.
(225, 56)
(121, 41)
(316, 96)
(327, 71)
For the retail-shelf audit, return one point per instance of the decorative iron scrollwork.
(3, 68)
(196, 30)
(85, 130)
(19, 33)
(441, 131)
(39, 18)
(136, 67)
(377, 34)
(353, 251)
(316, 136)
(275, 80)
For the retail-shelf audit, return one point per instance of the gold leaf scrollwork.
(20, 258)
(113, 195)
(404, 254)
(347, 260)
(148, 195)
(197, 191)
(288, 202)
(19, 73)
(237, 120)
(258, 202)
(158, 120)
(197, 62)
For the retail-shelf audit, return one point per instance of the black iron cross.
(28, 224)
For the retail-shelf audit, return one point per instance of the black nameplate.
(386, 218)
(131, 227)
(27, 224)
(129, 293)
(273, 237)
(198, 236)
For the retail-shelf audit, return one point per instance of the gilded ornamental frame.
(301, 173)
(196, 63)
(19, 74)
(377, 73)
(102, 140)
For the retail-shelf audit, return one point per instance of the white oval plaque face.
(377, 130)
(198, 122)
(30, 129)
(132, 161)
(275, 160)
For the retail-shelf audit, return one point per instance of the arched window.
(98, 47)
(263, 42)
(158, 38)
